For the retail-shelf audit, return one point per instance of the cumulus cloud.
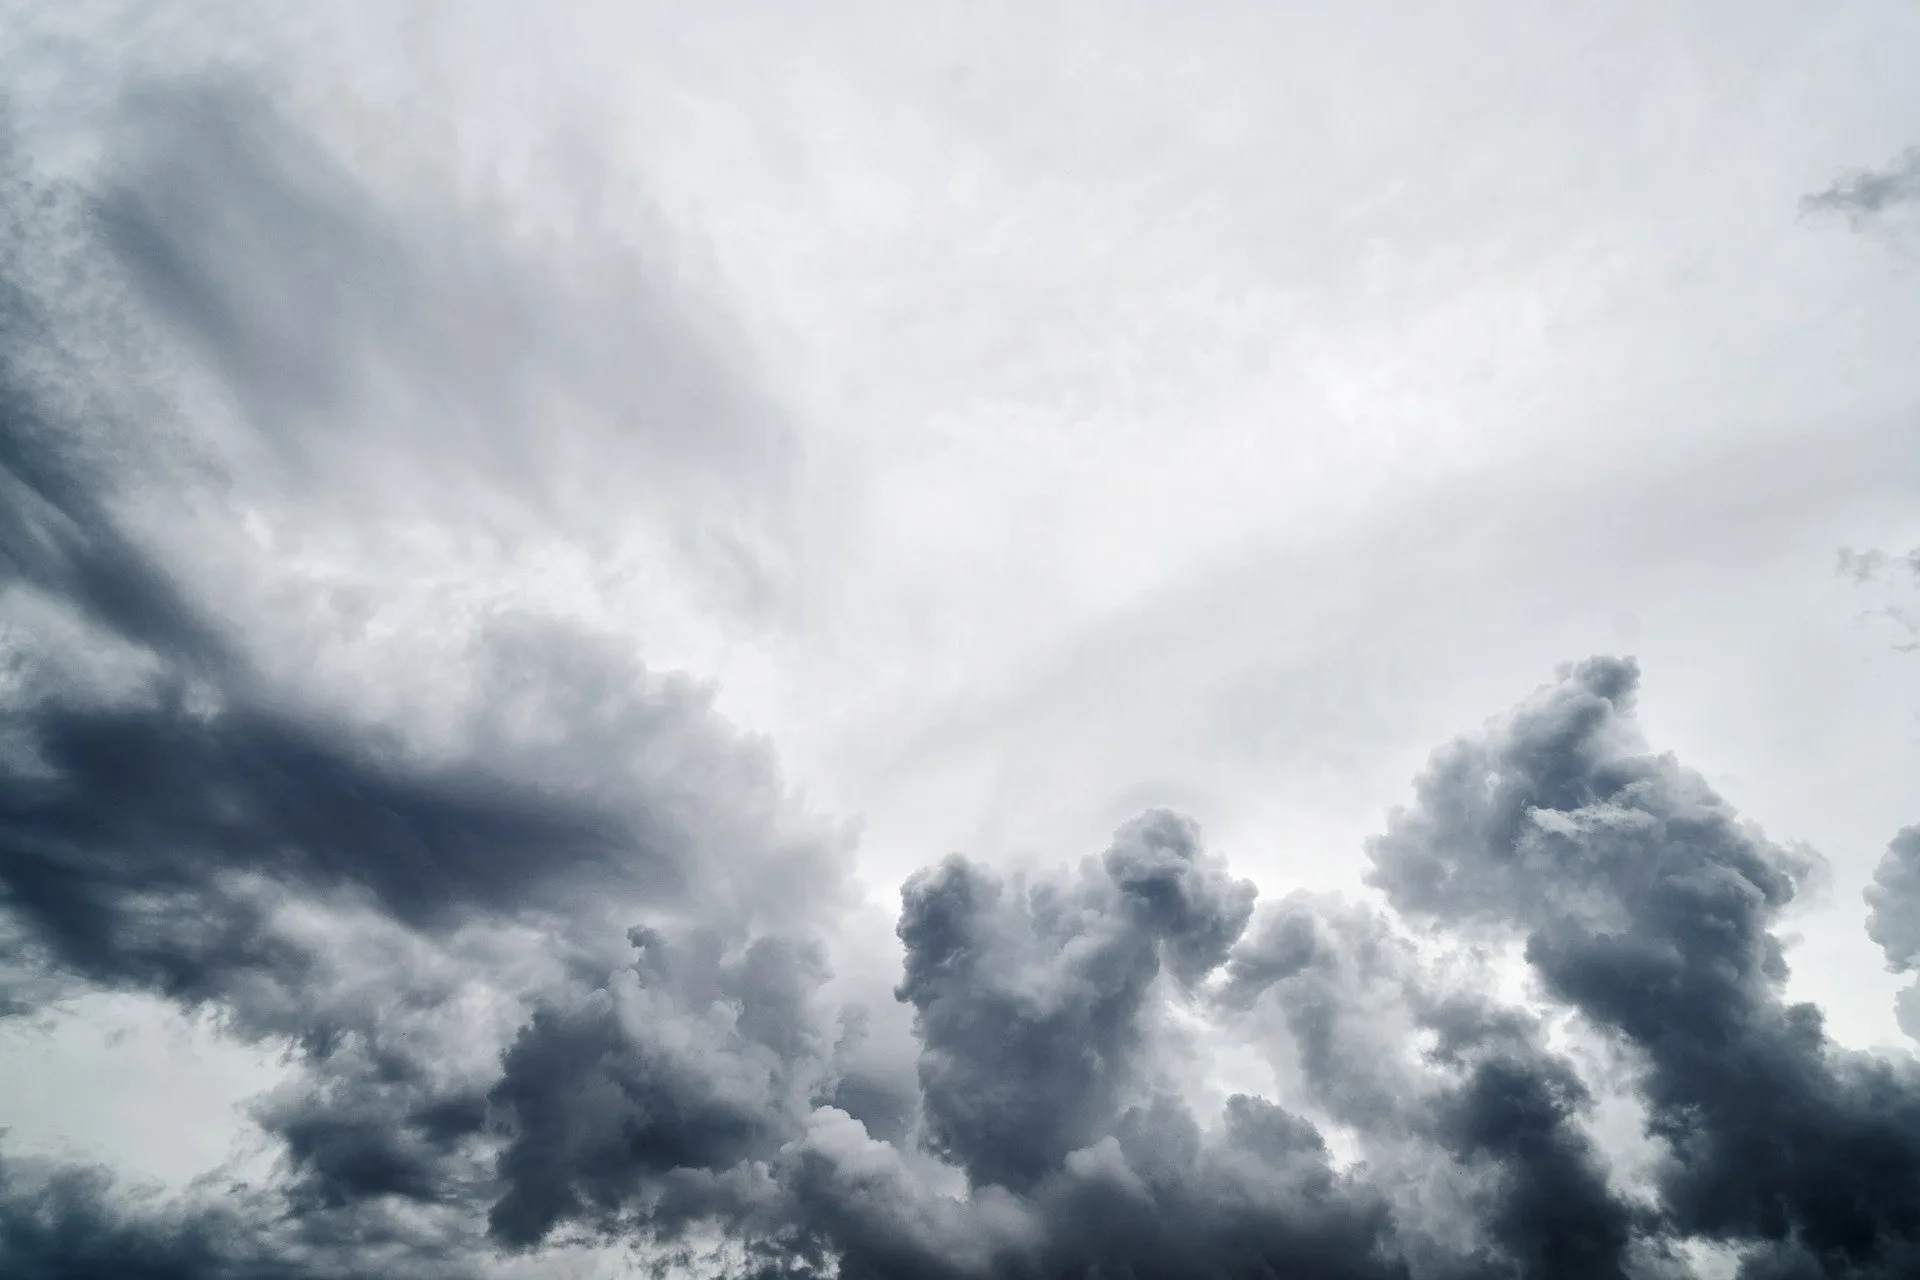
(581, 970)
(1647, 906)
(1057, 977)
(1893, 918)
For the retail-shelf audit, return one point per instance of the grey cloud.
(217, 794)
(1893, 919)
(1876, 566)
(694, 1076)
(578, 982)
(680, 1072)
(1485, 1119)
(697, 1088)
(1646, 905)
(1053, 979)
(72, 1222)
(1871, 192)
(1263, 1198)
(1156, 1197)
(303, 289)
(378, 345)
(57, 1223)
(1865, 566)
(306, 879)
(198, 796)
(56, 534)
(175, 846)
(1183, 893)
(1039, 1073)
(1894, 896)
(993, 983)
(1550, 1211)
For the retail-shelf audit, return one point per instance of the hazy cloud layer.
(1893, 578)
(573, 968)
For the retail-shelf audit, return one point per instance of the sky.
(1099, 640)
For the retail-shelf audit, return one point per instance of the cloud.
(1867, 566)
(1646, 905)
(578, 969)
(1057, 977)
(1454, 1098)
(172, 820)
(666, 1085)
(1871, 193)
(1874, 566)
(1893, 919)
(1894, 922)
(327, 314)
(65, 1222)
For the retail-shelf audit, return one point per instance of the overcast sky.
(489, 475)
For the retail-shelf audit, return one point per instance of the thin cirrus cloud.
(330, 519)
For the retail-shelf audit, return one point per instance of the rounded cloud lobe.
(582, 971)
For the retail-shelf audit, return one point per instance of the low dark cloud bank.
(606, 985)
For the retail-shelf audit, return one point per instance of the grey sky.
(989, 421)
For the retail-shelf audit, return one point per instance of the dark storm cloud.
(159, 846)
(140, 834)
(1484, 1099)
(1647, 905)
(201, 795)
(60, 1223)
(1261, 1196)
(240, 237)
(197, 836)
(580, 984)
(1054, 980)
(162, 844)
(1255, 1194)
(66, 1222)
(667, 1083)
(694, 1088)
